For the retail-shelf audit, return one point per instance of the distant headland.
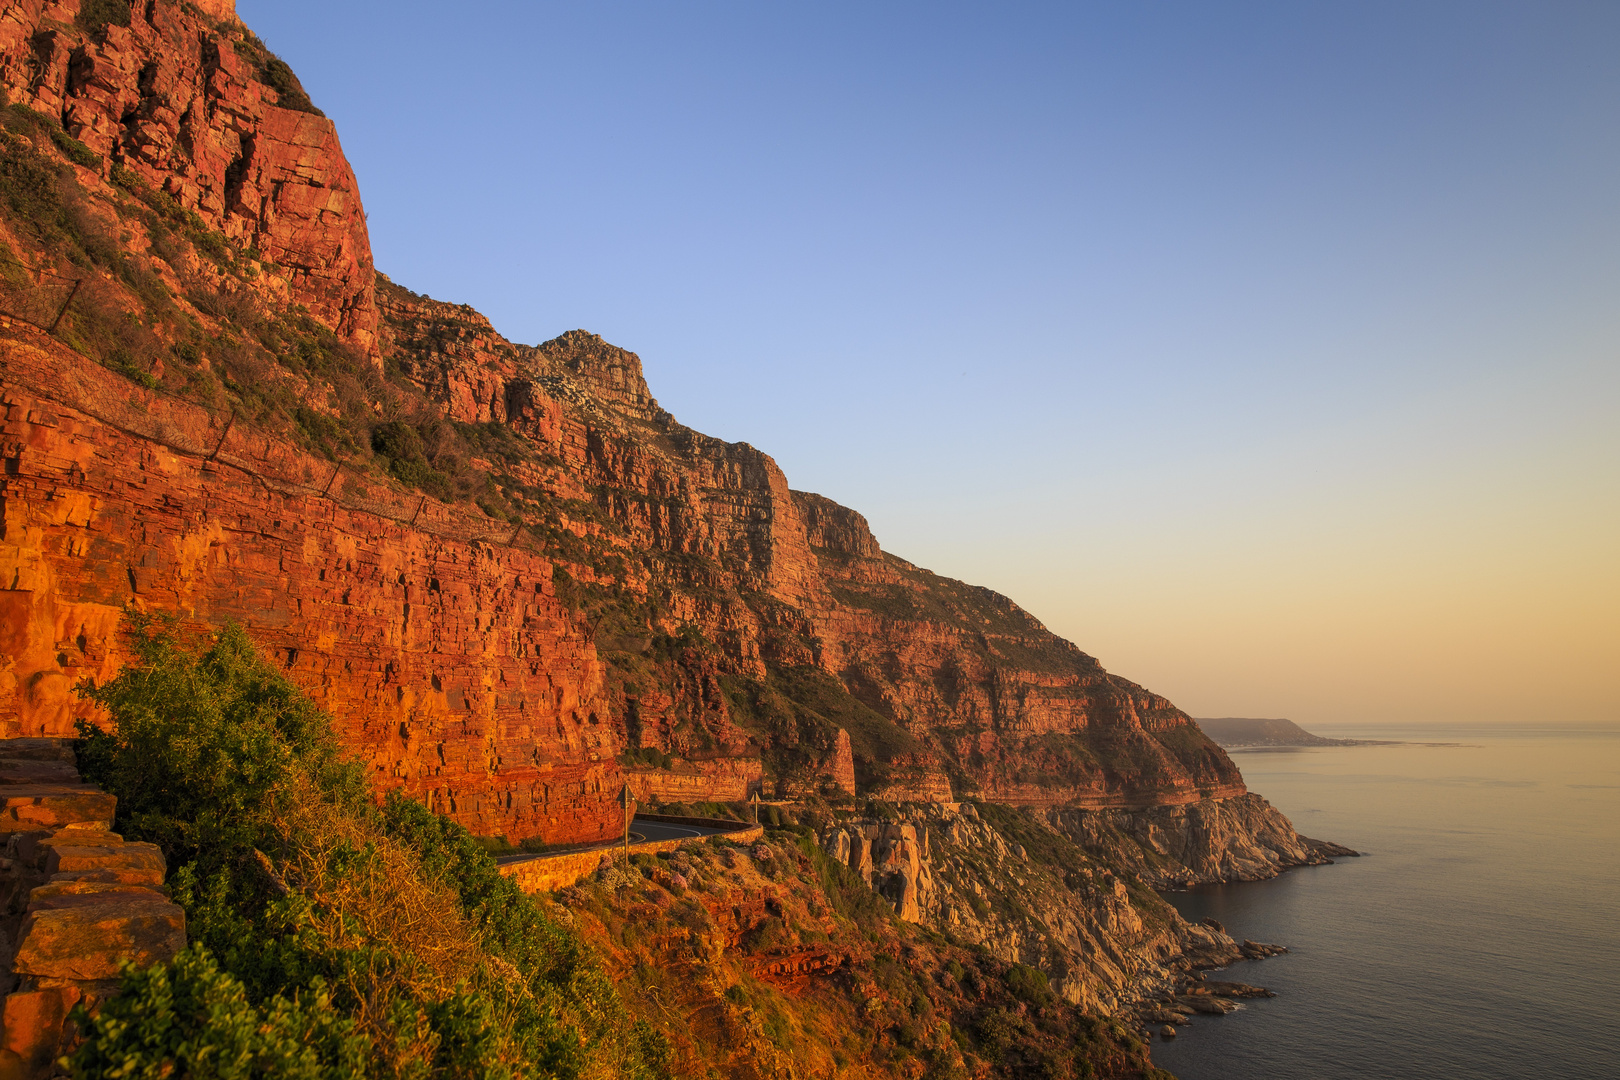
(1256, 734)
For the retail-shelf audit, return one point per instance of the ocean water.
(1480, 937)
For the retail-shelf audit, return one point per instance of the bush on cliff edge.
(330, 937)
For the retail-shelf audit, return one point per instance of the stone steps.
(76, 902)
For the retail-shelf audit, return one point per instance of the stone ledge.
(78, 902)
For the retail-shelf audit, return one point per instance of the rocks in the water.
(1167, 1032)
(1237, 990)
(1328, 850)
(1207, 1003)
(1213, 924)
(1259, 950)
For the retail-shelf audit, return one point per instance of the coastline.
(1458, 832)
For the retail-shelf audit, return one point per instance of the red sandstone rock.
(435, 636)
(173, 98)
(90, 942)
(32, 847)
(126, 875)
(17, 750)
(446, 661)
(36, 772)
(31, 1030)
(25, 808)
(133, 858)
(81, 893)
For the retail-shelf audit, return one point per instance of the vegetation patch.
(333, 937)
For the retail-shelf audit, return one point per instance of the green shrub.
(22, 117)
(1029, 984)
(187, 1018)
(303, 897)
(645, 756)
(96, 15)
(28, 184)
(846, 891)
(201, 741)
(290, 92)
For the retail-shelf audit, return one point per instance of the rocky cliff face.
(506, 570)
(797, 633)
(1035, 888)
(190, 101)
(443, 655)
(764, 961)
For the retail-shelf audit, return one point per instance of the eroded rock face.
(448, 658)
(77, 903)
(181, 98)
(1105, 941)
(758, 636)
(1243, 838)
(444, 658)
(890, 858)
(783, 579)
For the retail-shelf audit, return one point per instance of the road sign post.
(628, 801)
(755, 801)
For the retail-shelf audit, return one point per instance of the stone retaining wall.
(548, 873)
(76, 901)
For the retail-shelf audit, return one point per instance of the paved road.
(640, 829)
(663, 830)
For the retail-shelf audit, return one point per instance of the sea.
(1477, 939)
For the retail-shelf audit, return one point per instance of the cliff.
(770, 960)
(738, 617)
(191, 102)
(1070, 892)
(509, 573)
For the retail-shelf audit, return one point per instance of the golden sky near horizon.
(1476, 586)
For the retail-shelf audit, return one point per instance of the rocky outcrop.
(890, 858)
(442, 645)
(1249, 731)
(1243, 838)
(443, 655)
(728, 779)
(188, 99)
(949, 688)
(1004, 879)
(76, 902)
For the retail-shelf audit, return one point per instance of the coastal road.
(640, 829)
(663, 830)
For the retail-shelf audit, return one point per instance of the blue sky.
(1269, 351)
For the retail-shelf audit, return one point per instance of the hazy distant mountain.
(1248, 731)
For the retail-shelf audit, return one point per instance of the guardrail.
(548, 873)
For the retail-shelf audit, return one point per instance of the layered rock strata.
(621, 591)
(183, 96)
(76, 902)
(444, 656)
(1243, 838)
(952, 688)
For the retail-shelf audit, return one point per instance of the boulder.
(33, 807)
(68, 858)
(91, 942)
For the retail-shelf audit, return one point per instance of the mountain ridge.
(704, 630)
